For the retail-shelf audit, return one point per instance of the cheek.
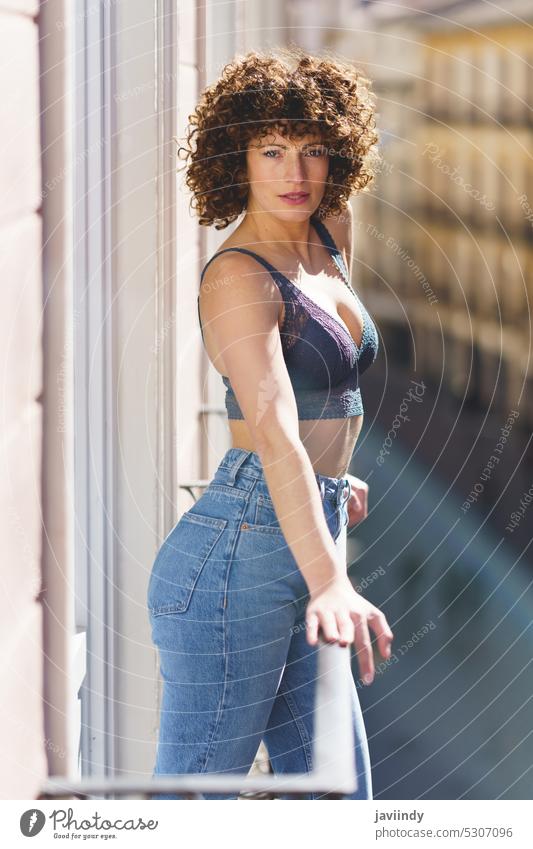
(321, 169)
(260, 171)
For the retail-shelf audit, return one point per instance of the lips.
(295, 195)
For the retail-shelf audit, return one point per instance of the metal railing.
(333, 772)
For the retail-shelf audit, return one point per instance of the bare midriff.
(329, 442)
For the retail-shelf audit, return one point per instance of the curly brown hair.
(287, 89)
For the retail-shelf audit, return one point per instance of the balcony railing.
(333, 771)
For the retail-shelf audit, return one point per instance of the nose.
(295, 168)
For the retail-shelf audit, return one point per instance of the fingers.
(312, 623)
(363, 648)
(346, 630)
(381, 628)
(349, 628)
(365, 656)
(334, 628)
(329, 627)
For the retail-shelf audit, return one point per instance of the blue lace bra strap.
(260, 259)
(329, 242)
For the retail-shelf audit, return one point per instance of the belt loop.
(234, 468)
(343, 497)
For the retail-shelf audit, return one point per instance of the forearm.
(298, 504)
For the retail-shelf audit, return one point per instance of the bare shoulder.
(341, 228)
(238, 279)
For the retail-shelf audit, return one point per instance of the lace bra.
(323, 361)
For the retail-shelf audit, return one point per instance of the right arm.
(242, 312)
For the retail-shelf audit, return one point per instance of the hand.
(357, 503)
(345, 616)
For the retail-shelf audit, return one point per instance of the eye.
(270, 151)
(317, 151)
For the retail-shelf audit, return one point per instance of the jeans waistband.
(249, 462)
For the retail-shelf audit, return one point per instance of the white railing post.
(334, 744)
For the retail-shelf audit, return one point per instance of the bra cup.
(323, 361)
(370, 349)
(318, 360)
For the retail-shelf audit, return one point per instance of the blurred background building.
(113, 418)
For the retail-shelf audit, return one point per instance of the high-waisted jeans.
(227, 602)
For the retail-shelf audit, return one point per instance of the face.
(278, 167)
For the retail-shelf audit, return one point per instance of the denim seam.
(265, 529)
(338, 516)
(306, 743)
(203, 768)
(242, 473)
(221, 491)
(266, 500)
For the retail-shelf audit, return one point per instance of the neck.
(290, 237)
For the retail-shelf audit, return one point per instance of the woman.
(257, 565)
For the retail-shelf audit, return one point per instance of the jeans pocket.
(179, 562)
(265, 517)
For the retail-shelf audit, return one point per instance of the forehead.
(273, 137)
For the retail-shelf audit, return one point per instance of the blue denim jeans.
(226, 603)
